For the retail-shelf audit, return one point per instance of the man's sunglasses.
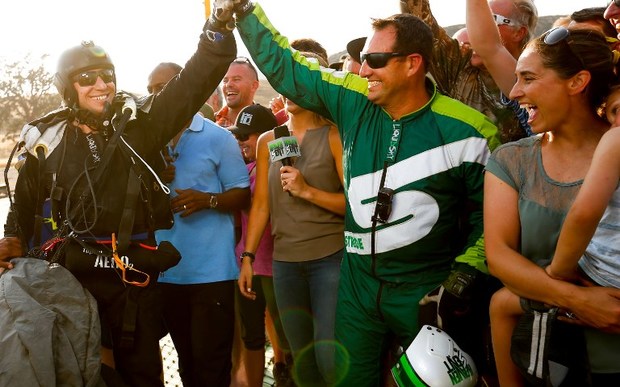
(377, 60)
(89, 78)
(560, 34)
(504, 21)
(616, 3)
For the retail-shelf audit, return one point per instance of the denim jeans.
(306, 294)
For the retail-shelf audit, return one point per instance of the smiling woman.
(562, 77)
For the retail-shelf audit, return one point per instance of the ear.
(579, 82)
(416, 63)
(520, 34)
(255, 85)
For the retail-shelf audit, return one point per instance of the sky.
(139, 34)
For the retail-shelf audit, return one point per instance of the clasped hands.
(223, 13)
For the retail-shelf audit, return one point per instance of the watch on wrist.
(213, 202)
(247, 254)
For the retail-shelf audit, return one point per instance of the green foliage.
(26, 92)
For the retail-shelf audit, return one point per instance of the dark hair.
(171, 65)
(580, 50)
(310, 45)
(413, 36)
(594, 15)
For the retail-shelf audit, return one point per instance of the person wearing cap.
(89, 172)
(337, 65)
(353, 62)
(251, 122)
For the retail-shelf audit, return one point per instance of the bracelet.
(247, 254)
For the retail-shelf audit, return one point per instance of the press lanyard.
(92, 146)
(392, 150)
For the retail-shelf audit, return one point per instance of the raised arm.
(332, 95)
(200, 76)
(583, 218)
(485, 40)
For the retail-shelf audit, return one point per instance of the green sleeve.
(324, 91)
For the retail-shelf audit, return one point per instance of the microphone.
(284, 147)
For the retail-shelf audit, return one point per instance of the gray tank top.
(303, 231)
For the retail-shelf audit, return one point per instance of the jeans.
(306, 294)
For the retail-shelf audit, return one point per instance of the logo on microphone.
(283, 148)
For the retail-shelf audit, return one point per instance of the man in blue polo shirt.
(210, 183)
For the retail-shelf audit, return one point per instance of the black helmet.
(86, 56)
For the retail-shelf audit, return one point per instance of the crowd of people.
(466, 182)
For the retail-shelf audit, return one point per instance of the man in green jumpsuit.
(413, 159)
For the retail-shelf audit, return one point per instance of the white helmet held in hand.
(434, 359)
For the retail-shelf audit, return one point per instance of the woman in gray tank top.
(305, 202)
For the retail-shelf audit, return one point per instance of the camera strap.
(390, 158)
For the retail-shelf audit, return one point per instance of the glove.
(221, 20)
(242, 7)
(453, 299)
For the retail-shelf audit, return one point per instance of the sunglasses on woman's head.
(559, 34)
(377, 60)
(89, 78)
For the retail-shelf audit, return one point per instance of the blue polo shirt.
(207, 160)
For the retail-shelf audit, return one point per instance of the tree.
(26, 93)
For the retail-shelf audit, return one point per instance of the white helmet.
(434, 359)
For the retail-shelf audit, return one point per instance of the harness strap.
(38, 217)
(127, 219)
(130, 316)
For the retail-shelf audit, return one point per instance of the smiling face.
(93, 98)
(542, 92)
(385, 82)
(248, 147)
(239, 86)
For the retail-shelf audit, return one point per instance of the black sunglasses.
(560, 34)
(242, 137)
(89, 78)
(616, 3)
(377, 60)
